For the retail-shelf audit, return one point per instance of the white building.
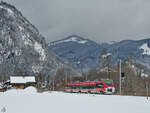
(22, 81)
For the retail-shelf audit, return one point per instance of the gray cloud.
(99, 20)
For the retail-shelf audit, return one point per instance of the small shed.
(21, 82)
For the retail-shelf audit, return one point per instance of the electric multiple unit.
(102, 87)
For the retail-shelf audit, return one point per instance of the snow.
(78, 62)
(106, 55)
(10, 11)
(19, 79)
(7, 9)
(28, 91)
(73, 39)
(144, 75)
(36, 68)
(21, 28)
(10, 41)
(146, 49)
(40, 50)
(29, 101)
(7, 54)
(18, 51)
(38, 47)
(26, 40)
(111, 42)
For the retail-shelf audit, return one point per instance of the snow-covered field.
(28, 101)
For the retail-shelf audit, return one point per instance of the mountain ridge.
(118, 50)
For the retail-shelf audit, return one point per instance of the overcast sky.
(99, 20)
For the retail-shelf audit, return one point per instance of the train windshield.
(108, 83)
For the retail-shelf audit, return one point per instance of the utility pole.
(147, 90)
(120, 76)
(66, 76)
(147, 84)
(82, 71)
(70, 79)
(53, 83)
(86, 76)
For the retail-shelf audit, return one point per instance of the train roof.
(86, 83)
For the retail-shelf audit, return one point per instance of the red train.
(101, 87)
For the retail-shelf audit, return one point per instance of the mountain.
(138, 50)
(23, 50)
(80, 51)
(85, 53)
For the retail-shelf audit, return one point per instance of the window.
(108, 83)
(74, 87)
(92, 86)
(100, 85)
(84, 87)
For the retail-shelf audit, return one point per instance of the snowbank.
(28, 90)
(28, 101)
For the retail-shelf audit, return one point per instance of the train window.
(67, 86)
(88, 87)
(92, 86)
(100, 85)
(108, 83)
(74, 87)
(85, 87)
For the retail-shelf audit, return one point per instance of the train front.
(109, 87)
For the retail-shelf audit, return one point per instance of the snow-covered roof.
(20, 79)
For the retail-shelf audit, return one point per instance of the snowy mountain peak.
(76, 39)
(72, 38)
(70, 48)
